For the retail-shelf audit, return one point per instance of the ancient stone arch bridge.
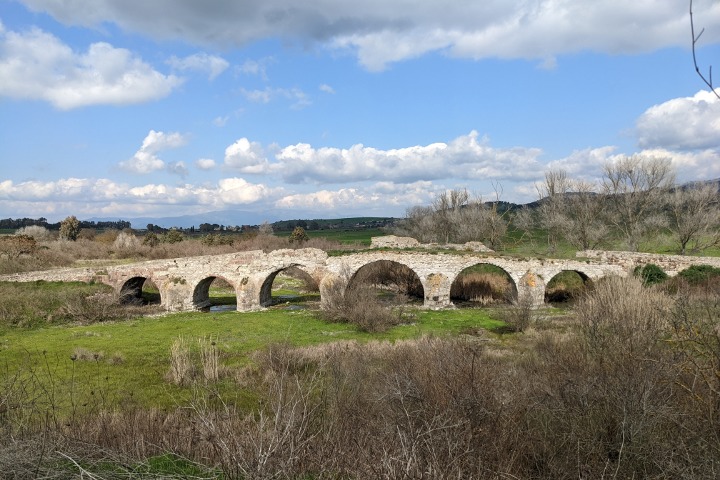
(184, 282)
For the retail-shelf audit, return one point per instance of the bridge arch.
(201, 292)
(131, 291)
(483, 283)
(297, 270)
(387, 273)
(566, 285)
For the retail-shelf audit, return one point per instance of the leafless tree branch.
(708, 80)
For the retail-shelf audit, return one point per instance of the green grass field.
(78, 368)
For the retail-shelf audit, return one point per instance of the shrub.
(520, 315)
(70, 228)
(172, 236)
(16, 245)
(217, 239)
(151, 239)
(698, 274)
(126, 241)
(298, 235)
(39, 233)
(650, 274)
(358, 305)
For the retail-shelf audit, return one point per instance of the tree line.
(635, 201)
(10, 223)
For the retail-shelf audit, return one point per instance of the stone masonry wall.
(671, 264)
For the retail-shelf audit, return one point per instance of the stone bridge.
(184, 282)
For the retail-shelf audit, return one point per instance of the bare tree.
(265, 229)
(455, 217)
(586, 226)
(695, 218)
(552, 210)
(572, 210)
(635, 187)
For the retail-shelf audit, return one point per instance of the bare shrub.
(358, 304)
(39, 233)
(17, 245)
(181, 369)
(126, 241)
(519, 315)
(209, 358)
(83, 354)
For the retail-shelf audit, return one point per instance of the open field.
(137, 352)
(622, 380)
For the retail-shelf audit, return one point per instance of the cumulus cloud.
(205, 163)
(587, 163)
(37, 65)
(146, 160)
(383, 32)
(380, 195)
(326, 88)
(467, 156)
(690, 165)
(246, 157)
(227, 192)
(212, 65)
(686, 123)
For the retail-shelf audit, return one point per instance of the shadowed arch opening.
(392, 281)
(140, 291)
(481, 285)
(567, 286)
(214, 293)
(291, 286)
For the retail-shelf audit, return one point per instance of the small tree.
(173, 236)
(70, 228)
(298, 235)
(151, 239)
(265, 229)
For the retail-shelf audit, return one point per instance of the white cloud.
(246, 157)
(205, 163)
(146, 160)
(256, 67)
(381, 32)
(212, 65)
(378, 197)
(682, 123)
(690, 165)
(37, 65)
(221, 121)
(102, 192)
(463, 157)
(327, 89)
(586, 164)
(177, 168)
(299, 98)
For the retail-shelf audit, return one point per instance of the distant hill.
(223, 217)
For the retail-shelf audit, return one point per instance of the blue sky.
(333, 108)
